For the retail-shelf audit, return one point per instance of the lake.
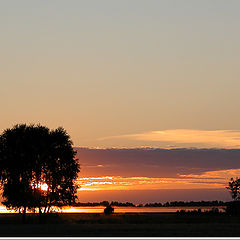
(100, 209)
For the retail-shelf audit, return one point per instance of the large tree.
(38, 168)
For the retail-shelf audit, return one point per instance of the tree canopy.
(38, 168)
(234, 188)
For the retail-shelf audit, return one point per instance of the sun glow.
(41, 186)
(44, 187)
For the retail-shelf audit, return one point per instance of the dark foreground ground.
(121, 225)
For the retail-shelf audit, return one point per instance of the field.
(119, 225)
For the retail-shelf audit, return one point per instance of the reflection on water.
(100, 209)
(4, 210)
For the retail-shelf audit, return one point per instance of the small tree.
(234, 188)
(38, 168)
(233, 208)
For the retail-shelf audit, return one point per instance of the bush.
(108, 210)
(233, 208)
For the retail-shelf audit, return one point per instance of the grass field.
(138, 225)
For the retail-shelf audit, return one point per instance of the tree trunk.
(24, 214)
(40, 215)
(39, 210)
(49, 206)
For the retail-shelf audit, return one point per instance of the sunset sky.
(126, 74)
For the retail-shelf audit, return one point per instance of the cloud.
(206, 180)
(211, 175)
(186, 138)
(155, 162)
(157, 170)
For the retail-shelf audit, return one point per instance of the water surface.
(100, 209)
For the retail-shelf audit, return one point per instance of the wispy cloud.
(211, 175)
(186, 137)
(206, 180)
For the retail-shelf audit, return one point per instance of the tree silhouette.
(234, 188)
(38, 168)
(233, 207)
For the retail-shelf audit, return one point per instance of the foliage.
(234, 188)
(32, 157)
(233, 208)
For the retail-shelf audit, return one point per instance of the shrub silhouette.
(233, 208)
(109, 210)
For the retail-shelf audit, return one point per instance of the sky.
(145, 175)
(123, 74)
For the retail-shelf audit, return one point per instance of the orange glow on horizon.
(209, 179)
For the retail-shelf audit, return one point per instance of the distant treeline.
(167, 204)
